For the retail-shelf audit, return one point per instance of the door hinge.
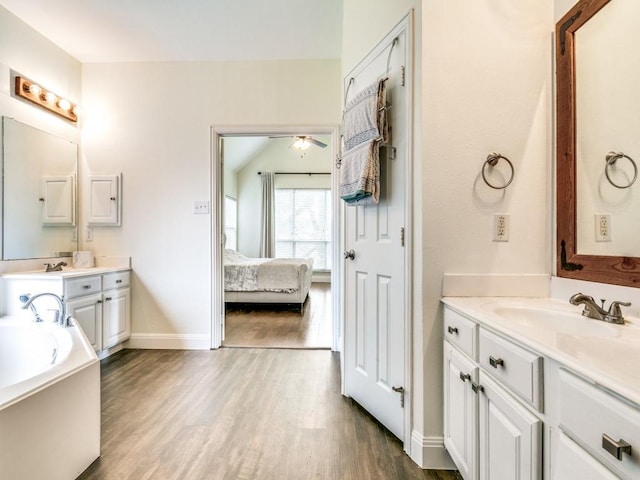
(402, 236)
(402, 75)
(399, 390)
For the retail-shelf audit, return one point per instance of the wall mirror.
(38, 193)
(596, 83)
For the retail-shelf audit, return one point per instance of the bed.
(266, 280)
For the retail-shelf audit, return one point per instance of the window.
(231, 222)
(303, 225)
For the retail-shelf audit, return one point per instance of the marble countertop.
(607, 354)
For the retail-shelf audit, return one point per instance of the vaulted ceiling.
(186, 30)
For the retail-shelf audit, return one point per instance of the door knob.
(350, 254)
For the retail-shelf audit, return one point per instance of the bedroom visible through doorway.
(277, 251)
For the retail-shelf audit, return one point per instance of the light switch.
(201, 207)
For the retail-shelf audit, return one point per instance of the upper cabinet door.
(104, 198)
(58, 201)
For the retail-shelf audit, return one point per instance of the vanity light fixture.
(46, 99)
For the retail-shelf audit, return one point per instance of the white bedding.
(244, 274)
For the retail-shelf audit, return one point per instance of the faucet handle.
(614, 308)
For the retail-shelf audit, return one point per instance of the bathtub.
(49, 401)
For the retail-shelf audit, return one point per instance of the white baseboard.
(168, 341)
(429, 452)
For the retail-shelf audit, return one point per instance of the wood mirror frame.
(616, 270)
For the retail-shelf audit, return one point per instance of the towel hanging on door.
(364, 125)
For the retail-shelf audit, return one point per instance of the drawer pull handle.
(86, 287)
(476, 387)
(465, 376)
(496, 362)
(108, 298)
(615, 448)
(452, 330)
(118, 281)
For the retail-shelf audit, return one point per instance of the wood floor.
(242, 414)
(275, 326)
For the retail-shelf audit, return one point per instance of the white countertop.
(65, 273)
(611, 360)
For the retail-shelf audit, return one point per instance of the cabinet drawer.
(597, 419)
(76, 287)
(112, 281)
(461, 332)
(517, 368)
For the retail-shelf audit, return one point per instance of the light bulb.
(302, 143)
(34, 89)
(64, 104)
(50, 97)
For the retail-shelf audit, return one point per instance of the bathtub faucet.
(61, 316)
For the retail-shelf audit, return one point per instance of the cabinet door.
(88, 313)
(510, 436)
(460, 412)
(104, 198)
(116, 316)
(570, 462)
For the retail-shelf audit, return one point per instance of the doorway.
(303, 180)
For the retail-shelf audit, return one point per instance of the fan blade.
(317, 142)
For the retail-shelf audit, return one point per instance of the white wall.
(276, 157)
(30, 54)
(152, 121)
(487, 86)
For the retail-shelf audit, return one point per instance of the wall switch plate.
(603, 227)
(201, 207)
(501, 227)
(89, 234)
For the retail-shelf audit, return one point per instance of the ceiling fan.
(302, 142)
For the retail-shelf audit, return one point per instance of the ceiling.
(186, 30)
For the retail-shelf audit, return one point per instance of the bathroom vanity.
(533, 390)
(98, 298)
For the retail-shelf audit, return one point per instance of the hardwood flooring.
(277, 326)
(244, 414)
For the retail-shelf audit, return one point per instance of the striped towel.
(364, 127)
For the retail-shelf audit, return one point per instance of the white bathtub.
(49, 401)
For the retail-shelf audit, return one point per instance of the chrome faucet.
(55, 268)
(60, 317)
(592, 310)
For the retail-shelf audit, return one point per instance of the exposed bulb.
(50, 97)
(64, 104)
(34, 89)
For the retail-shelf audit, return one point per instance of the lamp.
(302, 143)
(45, 98)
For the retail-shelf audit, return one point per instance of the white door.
(374, 300)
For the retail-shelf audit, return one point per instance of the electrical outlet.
(501, 227)
(89, 234)
(201, 207)
(603, 227)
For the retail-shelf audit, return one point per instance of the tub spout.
(62, 318)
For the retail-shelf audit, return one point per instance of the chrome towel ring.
(612, 158)
(492, 161)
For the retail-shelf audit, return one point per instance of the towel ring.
(612, 158)
(492, 161)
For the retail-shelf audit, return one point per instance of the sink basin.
(558, 321)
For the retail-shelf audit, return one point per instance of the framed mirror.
(576, 218)
(38, 193)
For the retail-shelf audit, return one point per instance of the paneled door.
(375, 317)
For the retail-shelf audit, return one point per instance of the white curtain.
(267, 218)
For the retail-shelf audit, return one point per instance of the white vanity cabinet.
(550, 403)
(100, 302)
(488, 431)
